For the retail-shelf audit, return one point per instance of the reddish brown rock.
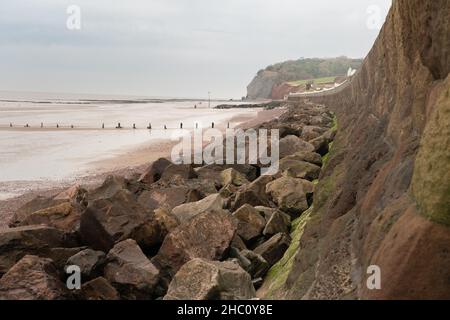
(201, 279)
(65, 216)
(250, 222)
(273, 249)
(292, 195)
(154, 172)
(99, 289)
(129, 270)
(253, 194)
(207, 236)
(107, 221)
(109, 188)
(89, 261)
(185, 212)
(33, 278)
(17, 242)
(183, 171)
(292, 144)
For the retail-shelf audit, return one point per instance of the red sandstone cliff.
(384, 196)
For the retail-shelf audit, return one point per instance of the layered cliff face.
(384, 196)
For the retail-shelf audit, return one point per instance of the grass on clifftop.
(316, 81)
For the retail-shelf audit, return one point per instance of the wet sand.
(131, 163)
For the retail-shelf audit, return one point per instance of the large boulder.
(65, 216)
(201, 279)
(183, 171)
(33, 278)
(107, 221)
(251, 262)
(299, 169)
(292, 195)
(167, 197)
(231, 176)
(154, 172)
(109, 188)
(279, 222)
(15, 243)
(185, 212)
(310, 157)
(253, 194)
(89, 261)
(273, 249)
(203, 187)
(34, 205)
(321, 144)
(213, 171)
(250, 222)
(98, 289)
(166, 221)
(207, 236)
(292, 144)
(129, 270)
(312, 132)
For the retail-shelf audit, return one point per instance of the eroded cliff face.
(384, 197)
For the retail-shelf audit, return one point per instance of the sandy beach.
(132, 161)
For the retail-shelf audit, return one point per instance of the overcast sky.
(182, 48)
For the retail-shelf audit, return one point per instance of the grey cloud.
(171, 47)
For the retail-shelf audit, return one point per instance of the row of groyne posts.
(119, 126)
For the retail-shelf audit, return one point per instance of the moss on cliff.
(277, 275)
(431, 180)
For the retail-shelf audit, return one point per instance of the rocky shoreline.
(176, 231)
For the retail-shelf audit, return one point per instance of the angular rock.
(233, 177)
(292, 195)
(251, 262)
(266, 212)
(129, 270)
(279, 222)
(166, 221)
(17, 242)
(75, 194)
(292, 144)
(207, 280)
(204, 187)
(185, 212)
(89, 261)
(65, 216)
(184, 171)
(107, 221)
(299, 169)
(238, 243)
(167, 197)
(60, 255)
(250, 172)
(253, 194)
(321, 145)
(273, 249)
(228, 191)
(154, 172)
(310, 157)
(250, 222)
(211, 174)
(109, 188)
(33, 278)
(99, 289)
(34, 205)
(207, 236)
(312, 132)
